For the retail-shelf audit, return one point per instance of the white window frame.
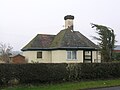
(70, 55)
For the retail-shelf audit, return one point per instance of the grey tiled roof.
(41, 41)
(69, 38)
(64, 39)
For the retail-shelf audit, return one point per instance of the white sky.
(22, 20)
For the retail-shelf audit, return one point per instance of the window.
(88, 56)
(71, 55)
(39, 54)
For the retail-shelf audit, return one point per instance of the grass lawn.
(69, 85)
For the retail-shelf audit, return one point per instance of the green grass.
(69, 85)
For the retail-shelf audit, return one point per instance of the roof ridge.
(86, 39)
(63, 35)
(30, 42)
(47, 34)
(57, 39)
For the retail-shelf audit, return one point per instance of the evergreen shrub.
(54, 72)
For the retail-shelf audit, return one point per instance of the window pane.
(88, 55)
(73, 54)
(68, 54)
(39, 54)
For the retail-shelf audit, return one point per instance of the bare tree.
(5, 52)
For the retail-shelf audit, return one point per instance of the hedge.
(32, 73)
(47, 73)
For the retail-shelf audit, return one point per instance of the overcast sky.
(22, 20)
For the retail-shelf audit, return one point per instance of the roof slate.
(40, 41)
(66, 38)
